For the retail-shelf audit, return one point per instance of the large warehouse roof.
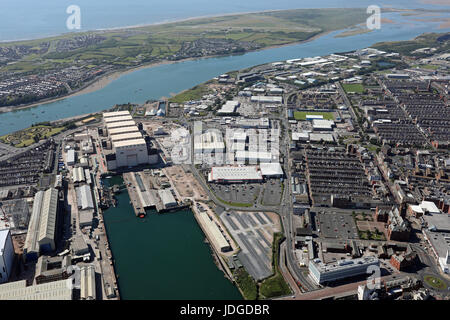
(55, 290)
(271, 169)
(129, 143)
(84, 196)
(123, 130)
(167, 197)
(214, 231)
(121, 124)
(118, 119)
(234, 173)
(48, 215)
(115, 114)
(31, 243)
(126, 136)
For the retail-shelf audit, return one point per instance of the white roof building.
(271, 169)
(84, 197)
(233, 174)
(55, 290)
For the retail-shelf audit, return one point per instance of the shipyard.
(293, 177)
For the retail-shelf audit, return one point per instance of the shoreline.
(105, 79)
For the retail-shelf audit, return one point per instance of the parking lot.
(336, 225)
(237, 193)
(253, 231)
(272, 193)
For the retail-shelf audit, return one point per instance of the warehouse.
(55, 290)
(87, 291)
(118, 119)
(71, 157)
(167, 198)
(228, 108)
(326, 273)
(42, 227)
(131, 153)
(271, 170)
(214, 232)
(84, 198)
(253, 156)
(122, 124)
(323, 125)
(122, 130)
(126, 136)
(6, 255)
(235, 174)
(115, 114)
(78, 175)
(208, 142)
(267, 99)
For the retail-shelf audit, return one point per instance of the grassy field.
(440, 40)
(136, 46)
(26, 137)
(192, 94)
(274, 286)
(301, 115)
(246, 283)
(353, 87)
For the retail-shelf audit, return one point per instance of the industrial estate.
(324, 177)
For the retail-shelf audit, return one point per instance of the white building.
(6, 255)
(71, 157)
(55, 290)
(235, 174)
(42, 225)
(167, 198)
(322, 273)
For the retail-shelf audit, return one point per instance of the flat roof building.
(118, 119)
(325, 273)
(167, 198)
(214, 232)
(271, 169)
(42, 227)
(55, 290)
(84, 197)
(123, 130)
(121, 124)
(235, 174)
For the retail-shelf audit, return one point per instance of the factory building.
(71, 157)
(235, 174)
(42, 226)
(84, 197)
(325, 273)
(253, 156)
(167, 198)
(129, 148)
(55, 290)
(228, 108)
(87, 291)
(214, 232)
(78, 175)
(6, 255)
(271, 170)
(209, 142)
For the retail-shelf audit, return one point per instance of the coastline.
(105, 79)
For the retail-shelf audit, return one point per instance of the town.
(307, 177)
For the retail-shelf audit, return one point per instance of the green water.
(162, 256)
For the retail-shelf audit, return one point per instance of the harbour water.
(164, 80)
(162, 256)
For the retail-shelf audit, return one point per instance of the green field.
(353, 87)
(27, 137)
(192, 94)
(246, 283)
(301, 115)
(274, 286)
(435, 282)
(142, 45)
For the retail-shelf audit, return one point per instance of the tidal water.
(164, 80)
(162, 256)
